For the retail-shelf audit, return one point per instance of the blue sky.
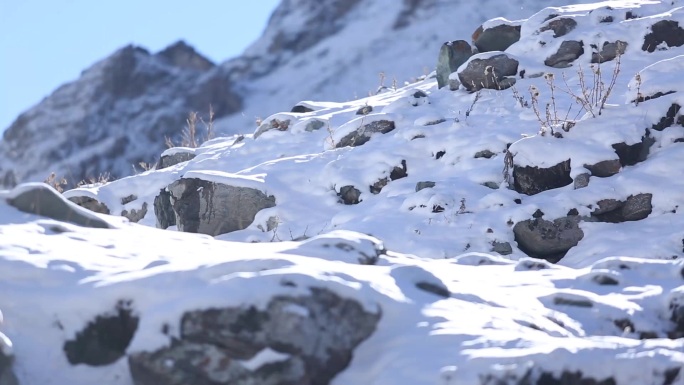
(45, 43)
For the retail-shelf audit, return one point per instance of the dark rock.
(605, 280)
(572, 212)
(609, 51)
(163, 210)
(497, 38)
(105, 339)
(637, 207)
(364, 133)
(572, 378)
(315, 334)
(424, 185)
(397, 172)
(537, 214)
(489, 73)
(503, 248)
(605, 168)
(440, 154)
(606, 206)
(631, 154)
(419, 97)
(581, 181)
(300, 109)
(438, 290)
(668, 119)
(135, 215)
(91, 204)
(451, 56)
(559, 300)
(484, 154)
(629, 15)
(560, 27)
(43, 200)
(128, 199)
(548, 240)
(349, 195)
(671, 375)
(174, 159)
(213, 208)
(365, 110)
(664, 31)
(568, 52)
(491, 185)
(533, 180)
(7, 376)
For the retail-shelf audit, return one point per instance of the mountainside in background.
(119, 112)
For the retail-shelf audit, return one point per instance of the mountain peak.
(183, 55)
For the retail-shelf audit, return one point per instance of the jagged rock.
(631, 154)
(572, 378)
(424, 185)
(363, 133)
(349, 195)
(306, 339)
(609, 51)
(451, 56)
(634, 208)
(664, 31)
(300, 109)
(135, 215)
(213, 208)
(497, 38)
(581, 181)
(365, 110)
(489, 72)
(168, 160)
(531, 180)
(105, 339)
(669, 118)
(568, 52)
(91, 204)
(41, 199)
(7, 376)
(560, 27)
(605, 168)
(548, 240)
(503, 248)
(163, 210)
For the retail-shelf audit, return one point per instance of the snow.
(503, 317)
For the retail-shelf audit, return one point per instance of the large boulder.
(497, 38)
(292, 340)
(206, 207)
(489, 71)
(41, 199)
(550, 240)
(451, 56)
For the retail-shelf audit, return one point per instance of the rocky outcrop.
(213, 208)
(489, 72)
(305, 339)
(43, 200)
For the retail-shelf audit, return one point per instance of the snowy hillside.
(512, 218)
(119, 112)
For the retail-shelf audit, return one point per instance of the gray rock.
(605, 168)
(581, 181)
(560, 27)
(533, 180)
(7, 376)
(213, 208)
(349, 195)
(487, 154)
(424, 185)
(497, 38)
(491, 185)
(174, 159)
(397, 172)
(91, 204)
(489, 73)
(365, 110)
(273, 124)
(163, 210)
(451, 56)
(135, 215)
(606, 206)
(503, 248)
(43, 200)
(664, 31)
(364, 133)
(609, 51)
(314, 334)
(314, 125)
(128, 199)
(540, 238)
(568, 52)
(637, 207)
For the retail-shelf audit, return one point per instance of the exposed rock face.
(533, 180)
(489, 72)
(308, 340)
(213, 208)
(41, 199)
(496, 38)
(548, 240)
(568, 52)
(664, 31)
(363, 134)
(103, 111)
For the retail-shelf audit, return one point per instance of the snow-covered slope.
(518, 235)
(119, 112)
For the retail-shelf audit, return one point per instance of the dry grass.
(190, 136)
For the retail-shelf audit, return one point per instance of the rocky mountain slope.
(513, 219)
(119, 112)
